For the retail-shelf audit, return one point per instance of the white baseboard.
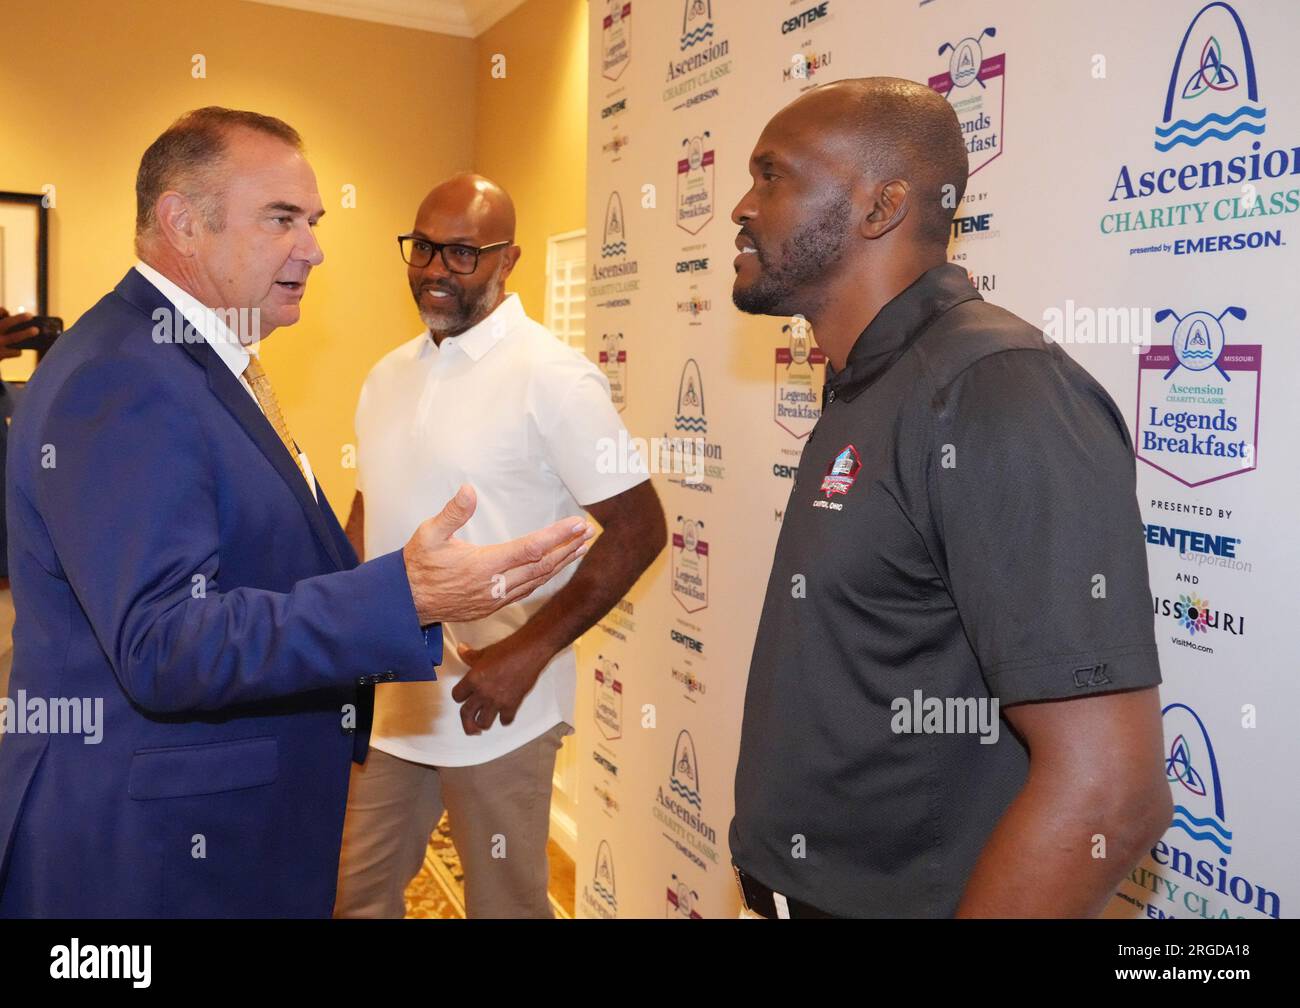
(564, 831)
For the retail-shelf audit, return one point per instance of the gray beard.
(475, 313)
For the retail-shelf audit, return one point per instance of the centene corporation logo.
(1187, 119)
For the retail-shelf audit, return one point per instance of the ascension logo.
(693, 453)
(599, 897)
(619, 621)
(690, 565)
(680, 808)
(608, 708)
(1198, 400)
(1208, 888)
(613, 362)
(695, 184)
(975, 86)
(697, 23)
(690, 401)
(1212, 77)
(800, 372)
(1212, 97)
(614, 238)
(616, 39)
(681, 901)
(609, 279)
(702, 59)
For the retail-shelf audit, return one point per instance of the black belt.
(765, 902)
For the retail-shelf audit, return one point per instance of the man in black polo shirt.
(952, 704)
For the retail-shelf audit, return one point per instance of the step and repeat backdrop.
(1134, 188)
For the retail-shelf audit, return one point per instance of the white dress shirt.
(508, 408)
(212, 327)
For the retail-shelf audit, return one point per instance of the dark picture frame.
(13, 261)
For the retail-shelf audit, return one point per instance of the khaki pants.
(499, 814)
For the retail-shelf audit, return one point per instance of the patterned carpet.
(438, 891)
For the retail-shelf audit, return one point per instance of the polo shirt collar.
(897, 324)
(478, 339)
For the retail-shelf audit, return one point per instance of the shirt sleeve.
(584, 440)
(1032, 488)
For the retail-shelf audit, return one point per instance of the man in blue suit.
(196, 646)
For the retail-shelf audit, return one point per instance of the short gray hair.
(186, 157)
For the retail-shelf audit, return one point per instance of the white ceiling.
(466, 18)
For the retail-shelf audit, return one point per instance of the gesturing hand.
(499, 678)
(455, 582)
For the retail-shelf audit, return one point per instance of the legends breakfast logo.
(695, 183)
(690, 565)
(975, 86)
(1198, 399)
(608, 706)
(800, 373)
(613, 362)
(616, 39)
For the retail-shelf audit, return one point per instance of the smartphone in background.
(49, 327)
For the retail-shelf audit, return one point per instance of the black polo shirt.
(964, 524)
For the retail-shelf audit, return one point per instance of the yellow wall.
(531, 131)
(381, 108)
(86, 85)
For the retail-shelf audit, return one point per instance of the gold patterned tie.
(261, 386)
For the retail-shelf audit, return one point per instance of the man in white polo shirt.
(485, 396)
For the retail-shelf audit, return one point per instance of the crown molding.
(461, 18)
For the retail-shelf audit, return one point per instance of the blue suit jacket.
(167, 556)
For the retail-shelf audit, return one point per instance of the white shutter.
(566, 287)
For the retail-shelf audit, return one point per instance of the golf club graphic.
(1198, 338)
(964, 66)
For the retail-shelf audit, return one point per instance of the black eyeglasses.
(419, 252)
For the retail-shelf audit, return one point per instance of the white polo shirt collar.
(477, 340)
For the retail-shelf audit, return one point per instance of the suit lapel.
(227, 388)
